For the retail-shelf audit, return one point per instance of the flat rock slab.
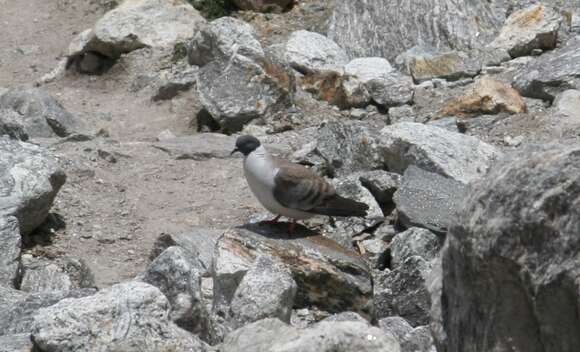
(328, 276)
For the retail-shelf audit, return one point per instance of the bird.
(291, 190)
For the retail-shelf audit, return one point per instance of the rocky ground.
(126, 225)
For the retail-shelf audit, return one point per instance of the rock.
(418, 340)
(568, 103)
(309, 52)
(486, 96)
(435, 287)
(382, 185)
(132, 316)
(200, 146)
(336, 89)
(535, 27)
(29, 181)
(385, 86)
(222, 39)
(10, 244)
(311, 259)
(517, 269)
(266, 291)
(11, 125)
(375, 251)
(274, 335)
(178, 275)
(550, 74)
(377, 28)
(414, 242)
(142, 23)
(428, 200)
(453, 155)
(452, 65)
(346, 316)
(238, 90)
(16, 343)
(199, 243)
(18, 309)
(61, 275)
(175, 80)
(38, 112)
(263, 5)
(403, 292)
(396, 326)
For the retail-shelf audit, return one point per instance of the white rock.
(308, 51)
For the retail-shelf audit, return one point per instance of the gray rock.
(454, 155)
(18, 309)
(38, 112)
(311, 259)
(263, 5)
(29, 181)
(309, 52)
(11, 125)
(513, 255)
(171, 82)
(346, 316)
(60, 275)
(222, 39)
(452, 65)
(428, 200)
(16, 343)
(266, 291)
(435, 287)
(382, 185)
(142, 23)
(414, 241)
(131, 316)
(199, 243)
(175, 273)
(535, 27)
(418, 340)
(568, 103)
(274, 336)
(396, 326)
(377, 28)
(200, 146)
(238, 90)
(403, 292)
(10, 244)
(550, 74)
(376, 252)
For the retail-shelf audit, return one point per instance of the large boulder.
(551, 73)
(132, 316)
(29, 182)
(10, 243)
(309, 52)
(328, 336)
(453, 155)
(535, 27)
(312, 260)
(39, 114)
(512, 262)
(386, 28)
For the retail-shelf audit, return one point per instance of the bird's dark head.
(246, 144)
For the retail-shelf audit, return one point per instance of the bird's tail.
(340, 206)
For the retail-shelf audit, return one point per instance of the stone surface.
(457, 156)
(263, 5)
(428, 200)
(142, 23)
(311, 258)
(275, 336)
(418, 340)
(176, 79)
(29, 181)
(238, 90)
(486, 96)
(568, 103)
(38, 112)
(550, 74)
(200, 146)
(131, 316)
(18, 309)
(60, 275)
(513, 255)
(11, 125)
(266, 291)
(346, 316)
(414, 241)
(535, 27)
(382, 185)
(396, 326)
(222, 39)
(381, 28)
(403, 292)
(178, 276)
(16, 343)
(10, 244)
(309, 52)
(199, 243)
(452, 65)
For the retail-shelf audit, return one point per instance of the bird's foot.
(292, 226)
(271, 222)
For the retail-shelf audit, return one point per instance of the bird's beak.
(234, 151)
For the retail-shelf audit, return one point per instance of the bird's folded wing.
(296, 187)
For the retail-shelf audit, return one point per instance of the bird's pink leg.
(271, 222)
